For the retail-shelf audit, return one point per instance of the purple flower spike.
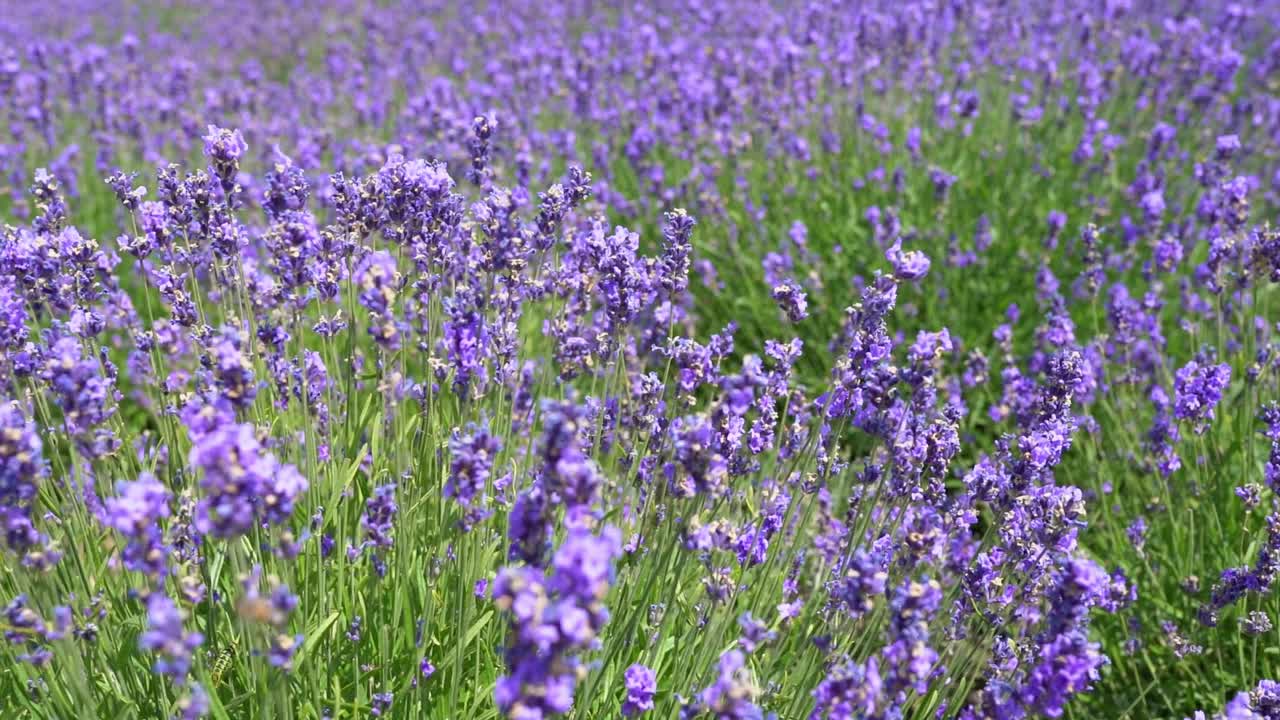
(642, 684)
(166, 638)
(1197, 391)
(910, 266)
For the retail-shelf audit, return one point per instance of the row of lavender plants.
(936, 376)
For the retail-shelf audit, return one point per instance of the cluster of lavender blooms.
(628, 88)
(390, 312)
(416, 297)
(1261, 703)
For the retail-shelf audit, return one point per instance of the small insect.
(258, 609)
(222, 663)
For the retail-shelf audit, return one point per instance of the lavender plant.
(854, 360)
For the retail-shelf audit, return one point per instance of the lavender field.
(727, 359)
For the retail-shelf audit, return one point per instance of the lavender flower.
(673, 267)
(21, 471)
(754, 633)
(84, 393)
(195, 705)
(910, 266)
(13, 315)
(166, 637)
(849, 690)
(473, 453)
(1255, 623)
(243, 483)
(136, 513)
(1197, 390)
(572, 477)
(378, 522)
(529, 527)
(378, 281)
(554, 615)
(233, 370)
(792, 300)
(466, 339)
(732, 695)
(1270, 417)
(641, 683)
(224, 148)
